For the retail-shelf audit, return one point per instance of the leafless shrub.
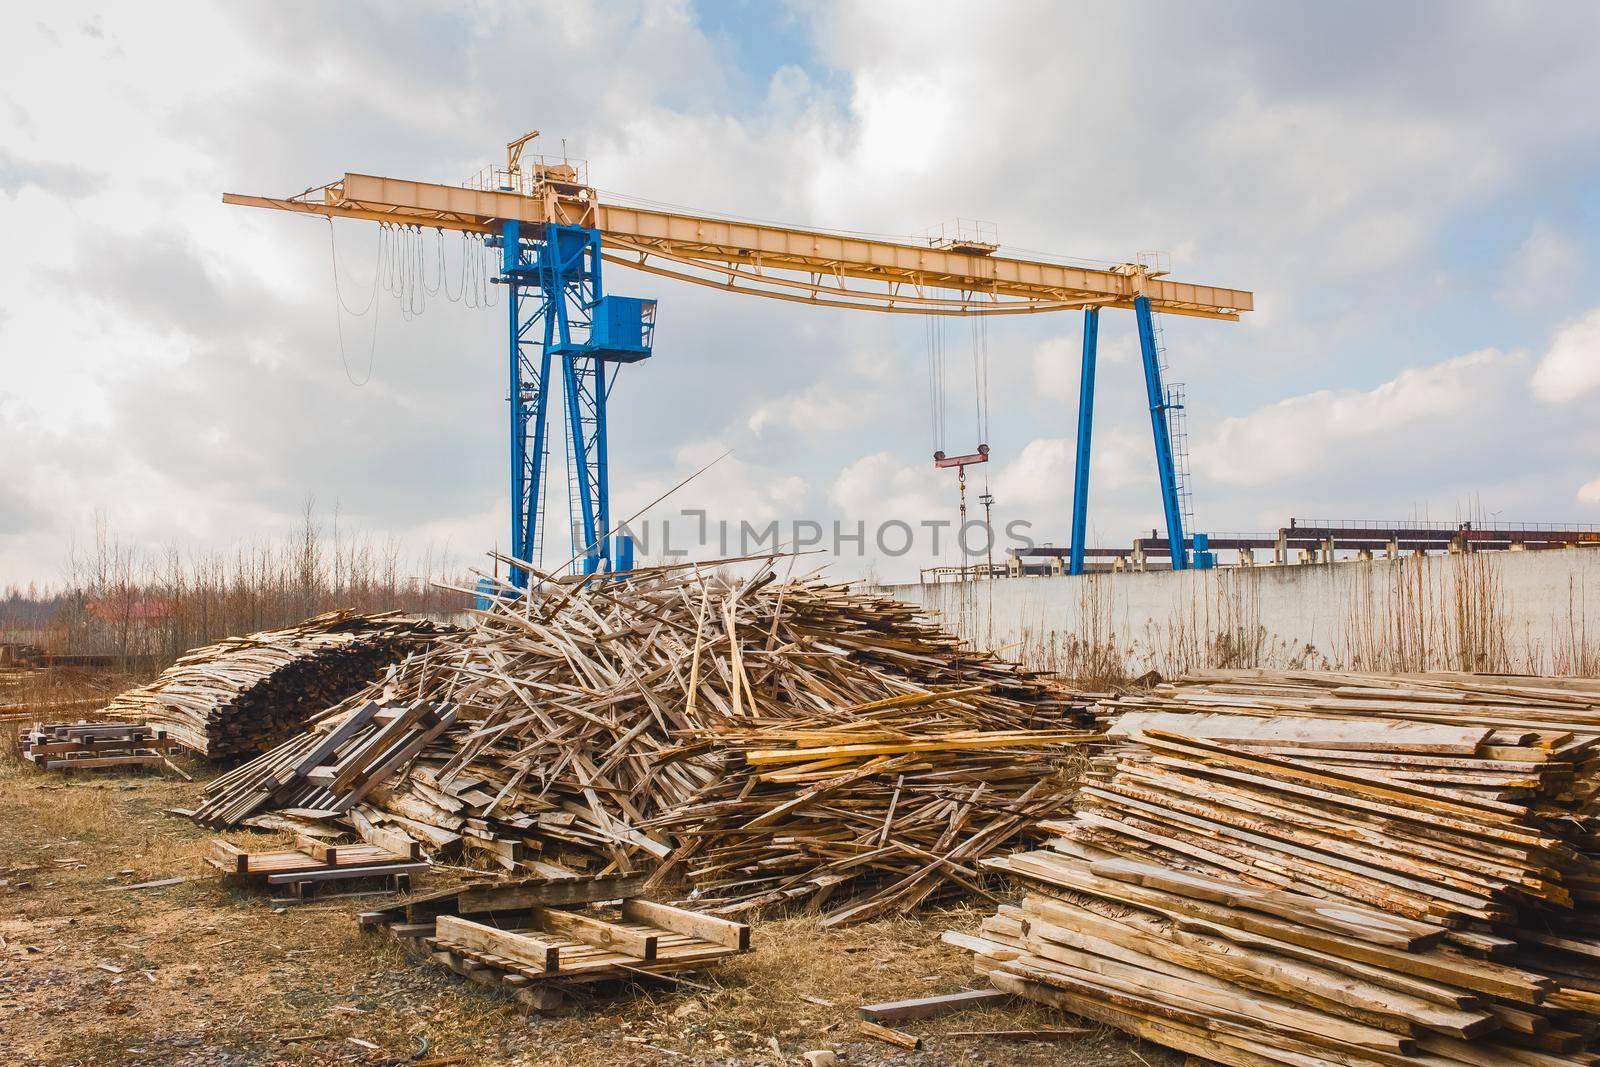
(147, 607)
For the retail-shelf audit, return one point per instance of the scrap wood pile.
(1297, 870)
(752, 741)
(69, 746)
(243, 694)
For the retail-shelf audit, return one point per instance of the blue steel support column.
(1080, 479)
(577, 252)
(527, 304)
(595, 379)
(581, 462)
(537, 451)
(518, 435)
(1158, 425)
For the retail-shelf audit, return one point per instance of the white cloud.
(1571, 366)
(884, 485)
(842, 401)
(1423, 412)
(1041, 476)
(1057, 365)
(1057, 368)
(1544, 269)
(1589, 492)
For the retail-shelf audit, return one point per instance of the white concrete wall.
(1516, 611)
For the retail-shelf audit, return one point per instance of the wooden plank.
(1334, 916)
(383, 837)
(930, 1007)
(332, 874)
(228, 856)
(719, 931)
(392, 762)
(71, 763)
(1387, 736)
(525, 949)
(600, 933)
(516, 896)
(894, 1037)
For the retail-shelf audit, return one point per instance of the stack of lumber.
(1518, 702)
(313, 863)
(1327, 883)
(243, 694)
(529, 938)
(766, 741)
(65, 746)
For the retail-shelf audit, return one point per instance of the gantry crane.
(554, 235)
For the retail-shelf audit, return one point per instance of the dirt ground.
(207, 973)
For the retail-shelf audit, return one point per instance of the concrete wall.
(1506, 611)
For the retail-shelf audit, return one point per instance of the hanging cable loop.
(340, 307)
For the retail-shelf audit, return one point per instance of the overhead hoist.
(942, 460)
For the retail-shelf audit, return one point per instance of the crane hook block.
(980, 456)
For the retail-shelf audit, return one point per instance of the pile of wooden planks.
(328, 771)
(312, 864)
(1349, 875)
(241, 695)
(534, 937)
(861, 797)
(766, 742)
(69, 746)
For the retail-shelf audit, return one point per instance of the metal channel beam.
(911, 269)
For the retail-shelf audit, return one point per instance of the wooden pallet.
(537, 950)
(63, 746)
(313, 864)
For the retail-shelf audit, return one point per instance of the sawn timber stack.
(243, 694)
(752, 741)
(1340, 887)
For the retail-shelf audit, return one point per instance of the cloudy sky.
(1412, 192)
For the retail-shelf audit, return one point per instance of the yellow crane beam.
(809, 266)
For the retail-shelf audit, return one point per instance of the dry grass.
(209, 974)
(58, 694)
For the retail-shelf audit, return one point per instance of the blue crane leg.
(580, 461)
(518, 438)
(602, 470)
(1158, 426)
(534, 508)
(529, 326)
(1080, 478)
